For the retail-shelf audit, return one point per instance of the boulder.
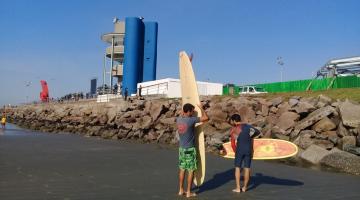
(347, 142)
(276, 130)
(325, 124)
(273, 109)
(281, 137)
(264, 110)
(342, 161)
(108, 134)
(276, 101)
(247, 114)
(111, 114)
(314, 154)
(354, 150)
(156, 110)
(325, 99)
(342, 131)
(293, 102)
(216, 139)
(326, 144)
(146, 122)
(350, 114)
(304, 140)
(282, 108)
(312, 118)
(303, 107)
(271, 119)
(331, 136)
(287, 120)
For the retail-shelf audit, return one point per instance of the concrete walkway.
(61, 166)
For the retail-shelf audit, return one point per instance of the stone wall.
(325, 130)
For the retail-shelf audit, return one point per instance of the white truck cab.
(249, 89)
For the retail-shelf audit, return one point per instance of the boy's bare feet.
(189, 194)
(243, 189)
(237, 190)
(181, 192)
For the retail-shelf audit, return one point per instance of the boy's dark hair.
(236, 118)
(188, 107)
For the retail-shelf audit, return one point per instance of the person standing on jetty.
(126, 94)
(187, 151)
(3, 121)
(243, 134)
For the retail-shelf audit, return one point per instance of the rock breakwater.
(326, 131)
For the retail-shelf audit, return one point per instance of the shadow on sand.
(222, 178)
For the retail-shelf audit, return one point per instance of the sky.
(233, 41)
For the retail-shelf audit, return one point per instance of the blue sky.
(233, 41)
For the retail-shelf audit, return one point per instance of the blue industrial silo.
(133, 54)
(150, 51)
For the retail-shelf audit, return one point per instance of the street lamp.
(280, 62)
(27, 85)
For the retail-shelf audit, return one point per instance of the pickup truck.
(248, 89)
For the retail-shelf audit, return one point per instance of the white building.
(171, 88)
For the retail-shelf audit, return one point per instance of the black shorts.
(243, 160)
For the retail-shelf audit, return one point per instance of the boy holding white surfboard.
(187, 151)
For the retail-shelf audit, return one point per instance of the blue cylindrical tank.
(150, 51)
(133, 54)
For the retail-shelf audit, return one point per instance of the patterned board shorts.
(187, 158)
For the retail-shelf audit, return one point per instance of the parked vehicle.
(248, 89)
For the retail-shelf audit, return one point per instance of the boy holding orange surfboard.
(243, 135)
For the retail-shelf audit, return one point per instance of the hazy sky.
(233, 41)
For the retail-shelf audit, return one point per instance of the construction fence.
(303, 85)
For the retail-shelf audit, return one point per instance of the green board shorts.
(187, 158)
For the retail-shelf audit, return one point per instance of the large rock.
(216, 139)
(305, 139)
(273, 109)
(326, 144)
(354, 150)
(312, 118)
(314, 154)
(331, 136)
(293, 102)
(218, 118)
(348, 142)
(247, 114)
(276, 130)
(324, 99)
(303, 107)
(350, 113)
(271, 119)
(343, 161)
(111, 114)
(325, 124)
(282, 108)
(108, 134)
(276, 101)
(287, 120)
(342, 131)
(264, 110)
(156, 110)
(145, 122)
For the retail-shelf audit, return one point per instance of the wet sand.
(37, 165)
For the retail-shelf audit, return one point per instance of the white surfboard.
(189, 93)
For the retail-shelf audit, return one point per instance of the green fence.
(303, 85)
